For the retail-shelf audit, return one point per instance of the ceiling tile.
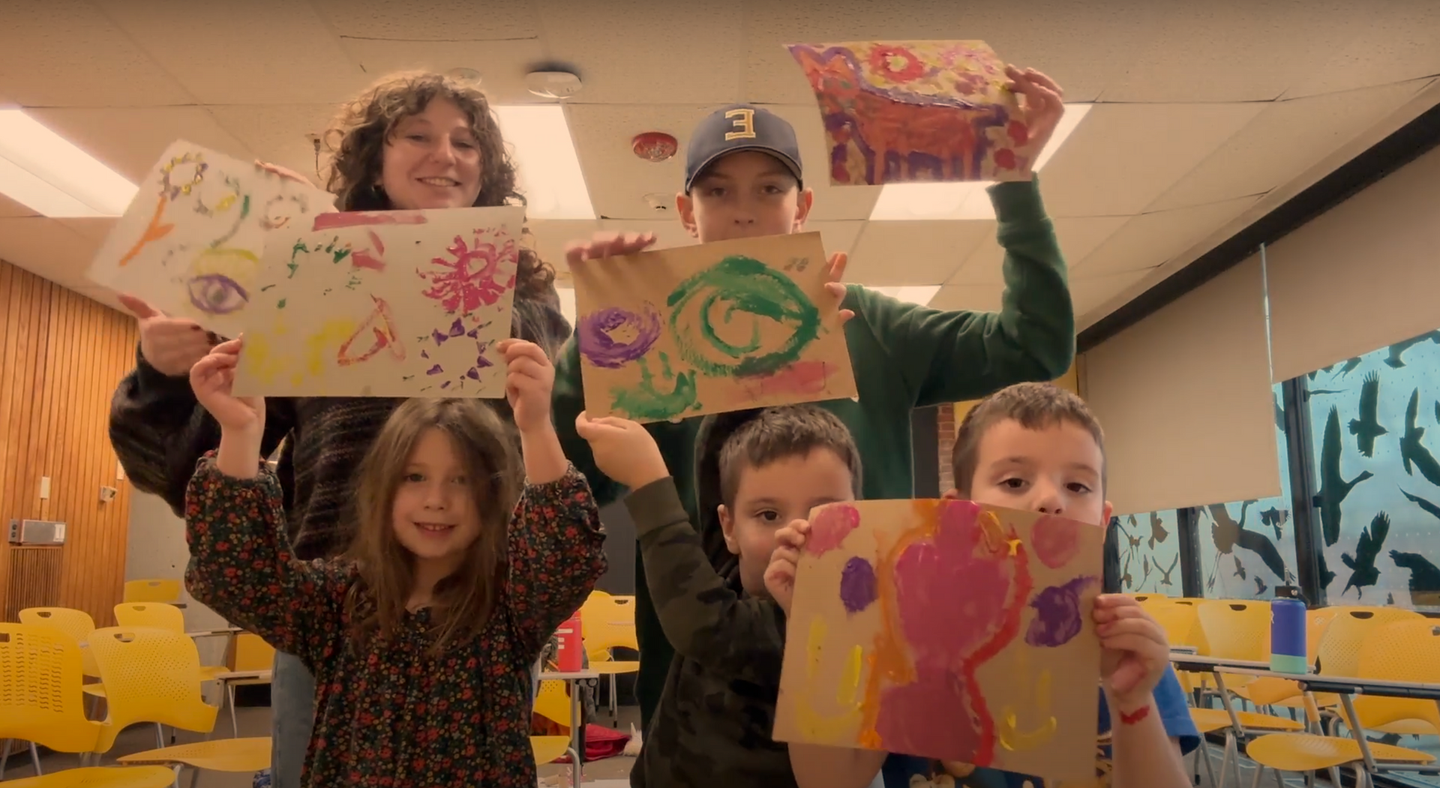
(130, 141)
(1088, 295)
(1044, 36)
(502, 64)
(1152, 239)
(975, 298)
(1232, 52)
(1078, 238)
(66, 53)
(255, 52)
(1284, 140)
(276, 134)
(1123, 156)
(10, 209)
(913, 253)
(48, 248)
(94, 229)
(618, 180)
(608, 41)
(432, 20)
(1399, 40)
(552, 235)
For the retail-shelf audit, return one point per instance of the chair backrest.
(40, 698)
(1178, 621)
(1236, 628)
(76, 623)
(552, 703)
(1339, 652)
(608, 622)
(152, 591)
(1400, 651)
(1317, 623)
(253, 653)
(150, 675)
(1149, 597)
(155, 615)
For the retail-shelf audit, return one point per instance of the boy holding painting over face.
(1036, 447)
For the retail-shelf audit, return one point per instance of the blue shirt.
(1170, 704)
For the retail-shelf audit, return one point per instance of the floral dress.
(388, 714)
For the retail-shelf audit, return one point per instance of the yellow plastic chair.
(608, 622)
(156, 615)
(152, 591)
(251, 653)
(40, 702)
(553, 704)
(1406, 650)
(76, 623)
(153, 675)
(1270, 691)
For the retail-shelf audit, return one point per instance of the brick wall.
(945, 426)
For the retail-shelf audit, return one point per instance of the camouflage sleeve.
(741, 637)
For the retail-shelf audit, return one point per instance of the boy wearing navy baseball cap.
(744, 179)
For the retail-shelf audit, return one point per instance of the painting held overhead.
(707, 329)
(947, 630)
(916, 111)
(390, 304)
(192, 239)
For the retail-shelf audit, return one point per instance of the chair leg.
(230, 696)
(614, 702)
(1259, 772)
(5, 756)
(35, 758)
(1204, 751)
(1280, 778)
(194, 776)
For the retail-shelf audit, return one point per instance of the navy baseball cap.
(740, 127)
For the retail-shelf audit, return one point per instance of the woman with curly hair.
(411, 141)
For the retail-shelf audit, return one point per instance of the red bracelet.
(1136, 715)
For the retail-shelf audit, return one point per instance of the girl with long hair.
(467, 555)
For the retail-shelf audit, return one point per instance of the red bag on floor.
(600, 742)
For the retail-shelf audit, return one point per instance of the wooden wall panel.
(61, 357)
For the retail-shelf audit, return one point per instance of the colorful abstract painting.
(191, 241)
(946, 630)
(385, 304)
(712, 328)
(907, 111)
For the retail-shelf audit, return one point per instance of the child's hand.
(1042, 105)
(171, 345)
(213, 379)
(605, 244)
(836, 284)
(1136, 651)
(529, 378)
(623, 450)
(780, 574)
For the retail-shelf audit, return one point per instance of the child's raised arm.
(702, 618)
(556, 547)
(240, 564)
(1136, 657)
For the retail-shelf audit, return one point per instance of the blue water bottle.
(1287, 632)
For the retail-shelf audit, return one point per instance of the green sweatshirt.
(905, 356)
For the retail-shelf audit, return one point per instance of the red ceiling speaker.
(654, 146)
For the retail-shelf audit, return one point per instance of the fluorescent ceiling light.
(910, 294)
(567, 303)
(48, 174)
(544, 153)
(955, 201)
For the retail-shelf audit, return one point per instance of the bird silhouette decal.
(1280, 415)
(1274, 517)
(1333, 487)
(1362, 567)
(1397, 350)
(1145, 566)
(1425, 506)
(1126, 581)
(1390, 598)
(1259, 585)
(1239, 568)
(1165, 573)
(1437, 411)
(1157, 529)
(1424, 577)
(1228, 533)
(1367, 428)
(1412, 451)
(1350, 365)
(1321, 392)
(1326, 576)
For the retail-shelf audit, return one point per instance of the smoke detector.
(553, 84)
(465, 74)
(660, 202)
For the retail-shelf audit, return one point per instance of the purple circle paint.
(1058, 617)
(857, 584)
(593, 333)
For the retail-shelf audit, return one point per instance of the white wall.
(156, 549)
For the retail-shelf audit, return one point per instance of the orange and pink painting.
(947, 630)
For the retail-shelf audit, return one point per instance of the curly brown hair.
(356, 141)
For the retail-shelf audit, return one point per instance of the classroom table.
(577, 711)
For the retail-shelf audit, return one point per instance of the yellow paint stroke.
(890, 659)
(1007, 723)
(321, 345)
(261, 356)
(849, 694)
(153, 232)
(815, 726)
